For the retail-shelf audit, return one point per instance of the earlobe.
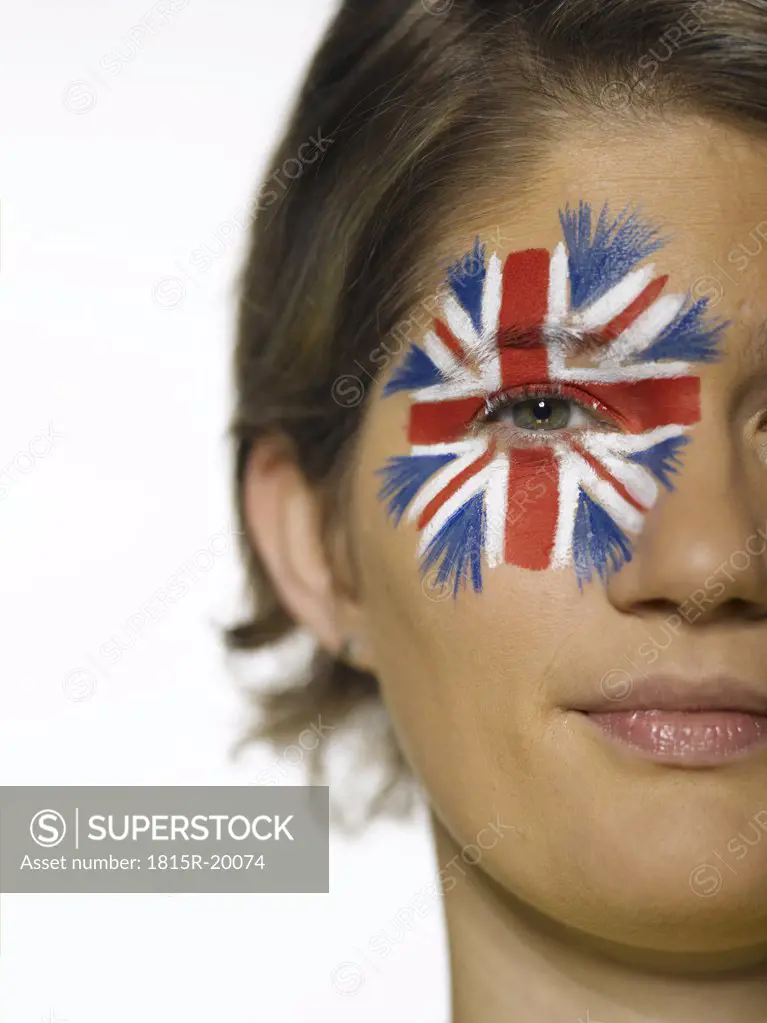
(284, 522)
(352, 651)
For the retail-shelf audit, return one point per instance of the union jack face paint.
(503, 329)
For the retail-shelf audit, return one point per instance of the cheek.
(467, 683)
(463, 678)
(477, 688)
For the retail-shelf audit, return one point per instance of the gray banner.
(164, 839)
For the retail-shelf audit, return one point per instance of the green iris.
(541, 414)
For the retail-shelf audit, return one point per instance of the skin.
(581, 901)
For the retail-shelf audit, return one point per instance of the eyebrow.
(568, 340)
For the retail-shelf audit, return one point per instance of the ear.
(284, 523)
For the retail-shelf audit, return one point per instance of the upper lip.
(680, 693)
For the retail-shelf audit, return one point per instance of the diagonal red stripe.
(632, 312)
(449, 340)
(454, 486)
(605, 474)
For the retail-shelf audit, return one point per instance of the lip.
(683, 721)
(679, 693)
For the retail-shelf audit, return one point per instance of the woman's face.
(487, 689)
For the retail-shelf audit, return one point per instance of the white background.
(107, 187)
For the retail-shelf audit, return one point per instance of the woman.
(502, 397)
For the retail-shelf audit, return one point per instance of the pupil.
(541, 414)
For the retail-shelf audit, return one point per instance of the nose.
(703, 547)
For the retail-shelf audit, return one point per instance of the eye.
(542, 412)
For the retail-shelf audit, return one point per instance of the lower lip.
(685, 737)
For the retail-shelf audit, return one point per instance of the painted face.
(500, 355)
(538, 422)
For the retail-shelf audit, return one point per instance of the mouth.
(690, 723)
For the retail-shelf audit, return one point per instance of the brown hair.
(405, 103)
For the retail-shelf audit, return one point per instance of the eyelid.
(569, 392)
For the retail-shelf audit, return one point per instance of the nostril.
(752, 612)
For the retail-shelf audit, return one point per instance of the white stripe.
(612, 450)
(449, 391)
(559, 271)
(559, 275)
(491, 299)
(496, 507)
(625, 374)
(622, 444)
(490, 363)
(614, 301)
(569, 482)
(443, 358)
(557, 358)
(625, 515)
(437, 483)
(644, 330)
(456, 447)
(486, 356)
(470, 489)
(459, 322)
(639, 482)
(490, 368)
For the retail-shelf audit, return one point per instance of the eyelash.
(502, 400)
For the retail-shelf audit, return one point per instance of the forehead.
(703, 183)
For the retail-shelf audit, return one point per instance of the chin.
(646, 898)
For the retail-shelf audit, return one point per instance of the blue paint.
(416, 371)
(602, 250)
(404, 475)
(456, 551)
(601, 255)
(467, 279)
(662, 459)
(599, 544)
(689, 338)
